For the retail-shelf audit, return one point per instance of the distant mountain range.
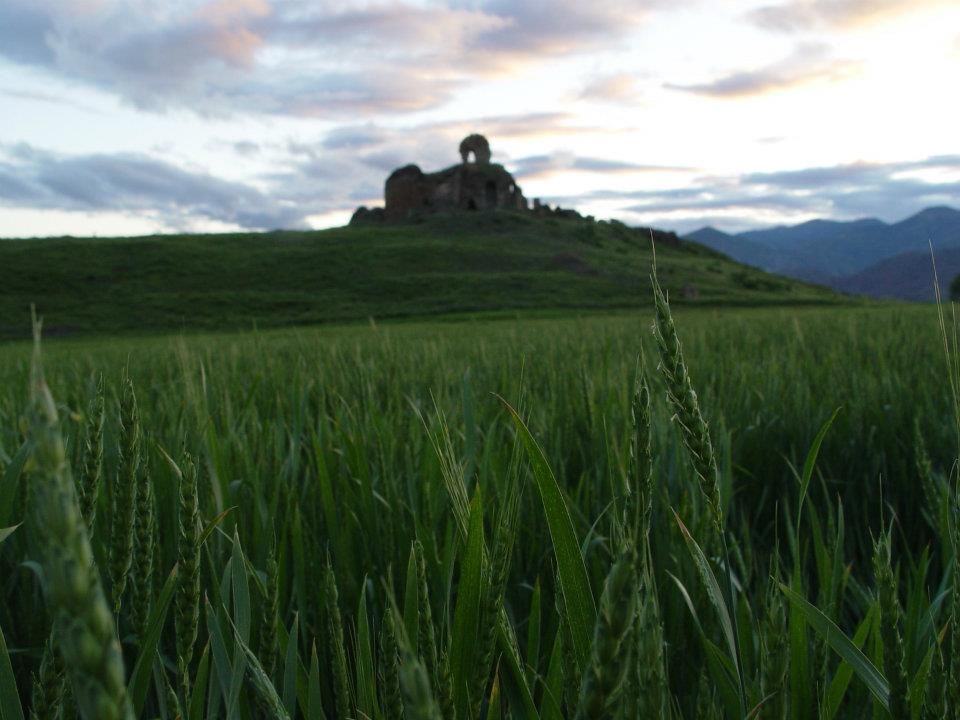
(864, 257)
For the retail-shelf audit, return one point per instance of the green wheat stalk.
(492, 602)
(125, 493)
(145, 539)
(603, 680)
(419, 702)
(92, 468)
(271, 602)
(642, 455)
(187, 594)
(893, 653)
(426, 640)
(392, 697)
(686, 407)
(50, 685)
(84, 626)
(341, 682)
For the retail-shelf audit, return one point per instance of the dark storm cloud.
(219, 57)
(807, 64)
(134, 183)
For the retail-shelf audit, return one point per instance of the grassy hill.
(476, 263)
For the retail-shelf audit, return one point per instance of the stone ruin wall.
(474, 184)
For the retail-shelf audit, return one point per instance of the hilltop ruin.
(474, 184)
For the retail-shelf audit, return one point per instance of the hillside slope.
(908, 276)
(458, 263)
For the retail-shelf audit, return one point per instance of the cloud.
(809, 63)
(889, 191)
(618, 88)
(432, 145)
(217, 58)
(287, 57)
(524, 125)
(853, 175)
(48, 99)
(539, 166)
(536, 28)
(247, 148)
(355, 137)
(348, 165)
(24, 28)
(32, 178)
(803, 15)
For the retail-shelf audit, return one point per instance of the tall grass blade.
(466, 619)
(290, 670)
(578, 598)
(10, 708)
(200, 684)
(843, 646)
(714, 593)
(139, 683)
(841, 678)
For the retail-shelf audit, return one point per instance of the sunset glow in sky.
(143, 116)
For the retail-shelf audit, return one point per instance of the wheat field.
(704, 514)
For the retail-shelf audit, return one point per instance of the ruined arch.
(478, 145)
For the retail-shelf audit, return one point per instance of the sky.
(125, 117)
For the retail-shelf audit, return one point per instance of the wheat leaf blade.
(712, 586)
(467, 614)
(842, 645)
(9, 698)
(140, 677)
(572, 572)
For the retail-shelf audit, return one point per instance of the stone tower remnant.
(478, 145)
(474, 184)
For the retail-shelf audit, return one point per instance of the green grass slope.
(477, 263)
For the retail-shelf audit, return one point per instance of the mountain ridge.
(843, 254)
